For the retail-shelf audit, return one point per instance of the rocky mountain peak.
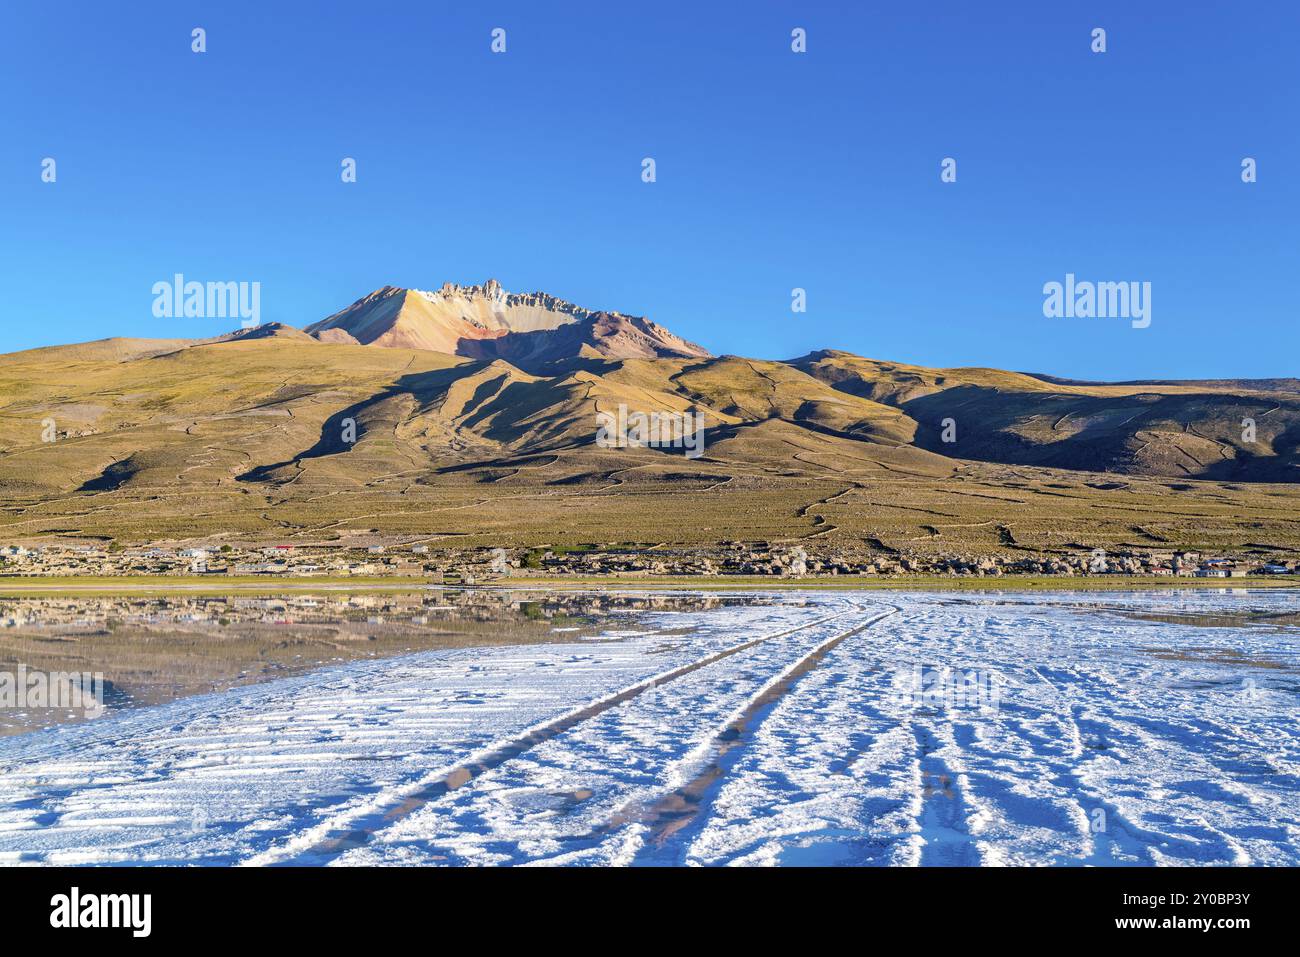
(486, 322)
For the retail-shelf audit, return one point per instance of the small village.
(469, 566)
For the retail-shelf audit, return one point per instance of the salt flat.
(840, 728)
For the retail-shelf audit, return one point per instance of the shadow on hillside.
(420, 386)
(1109, 433)
(113, 477)
(530, 351)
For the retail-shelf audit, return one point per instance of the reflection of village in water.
(155, 649)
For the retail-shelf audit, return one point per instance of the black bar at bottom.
(537, 906)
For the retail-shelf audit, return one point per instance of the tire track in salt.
(944, 817)
(671, 815)
(337, 840)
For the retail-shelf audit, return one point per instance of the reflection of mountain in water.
(152, 650)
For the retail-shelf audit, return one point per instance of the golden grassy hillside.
(247, 437)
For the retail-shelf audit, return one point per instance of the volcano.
(529, 330)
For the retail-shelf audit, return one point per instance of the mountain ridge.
(486, 322)
(276, 428)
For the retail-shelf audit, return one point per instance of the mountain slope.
(275, 431)
(1186, 429)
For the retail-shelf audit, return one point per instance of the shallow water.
(157, 649)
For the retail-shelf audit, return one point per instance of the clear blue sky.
(775, 170)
